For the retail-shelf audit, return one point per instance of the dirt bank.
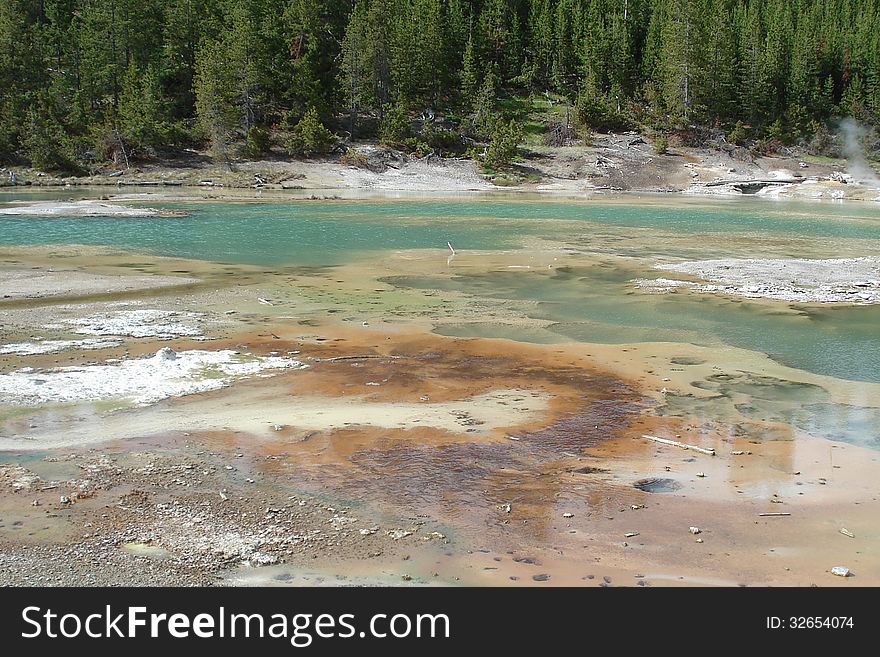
(613, 162)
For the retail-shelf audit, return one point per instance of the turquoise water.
(585, 303)
(317, 232)
(308, 232)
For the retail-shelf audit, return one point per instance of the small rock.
(406, 578)
(699, 540)
(846, 532)
(166, 353)
(568, 515)
(631, 534)
(397, 534)
(694, 530)
(541, 578)
(65, 501)
(701, 474)
(841, 571)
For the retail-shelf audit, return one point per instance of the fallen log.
(336, 359)
(675, 443)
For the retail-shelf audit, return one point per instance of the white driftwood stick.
(773, 515)
(675, 443)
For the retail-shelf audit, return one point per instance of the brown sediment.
(474, 503)
(582, 455)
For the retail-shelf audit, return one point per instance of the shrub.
(354, 158)
(443, 139)
(258, 142)
(599, 112)
(417, 147)
(394, 128)
(309, 136)
(821, 141)
(764, 146)
(776, 132)
(502, 149)
(738, 135)
(661, 144)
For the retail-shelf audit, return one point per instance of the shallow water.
(321, 231)
(558, 271)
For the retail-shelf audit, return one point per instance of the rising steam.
(853, 133)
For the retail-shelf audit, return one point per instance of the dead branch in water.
(336, 359)
(675, 443)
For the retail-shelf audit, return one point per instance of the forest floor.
(613, 162)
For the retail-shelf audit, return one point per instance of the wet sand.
(84, 208)
(401, 456)
(41, 283)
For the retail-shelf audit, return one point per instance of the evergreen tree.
(216, 106)
(133, 72)
(470, 78)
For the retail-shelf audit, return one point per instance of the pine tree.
(216, 106)
(470, 79)
(356, 73)
(142, 114)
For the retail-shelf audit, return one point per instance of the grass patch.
(535, 112)
(822, 159)
(12, 412)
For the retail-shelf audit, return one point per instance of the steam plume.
(853, 132)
